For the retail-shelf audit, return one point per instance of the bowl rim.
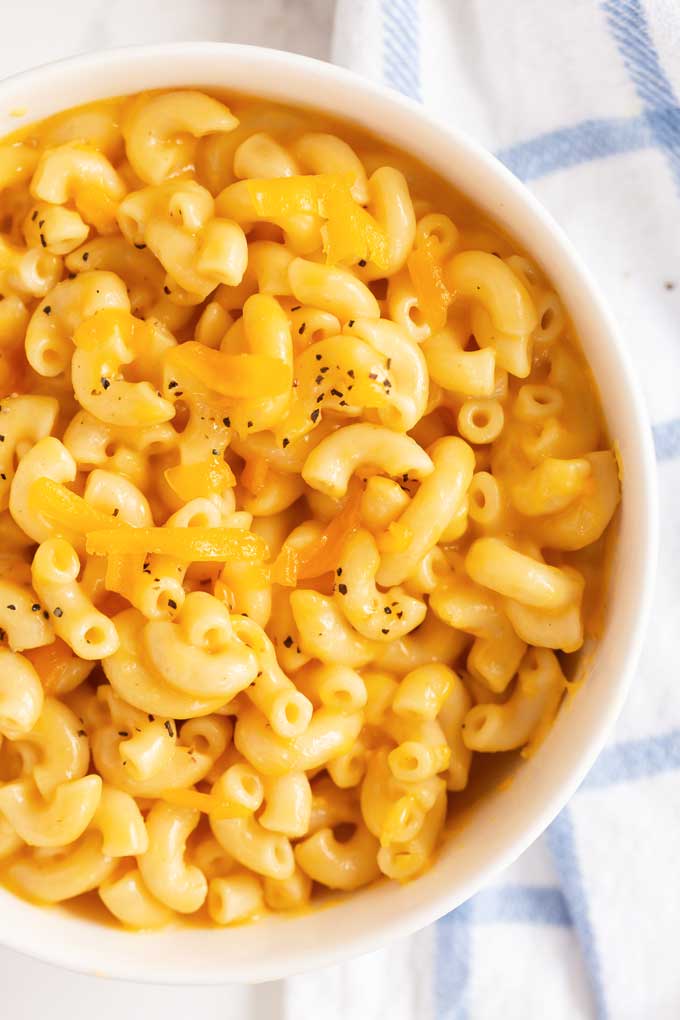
(159, 61)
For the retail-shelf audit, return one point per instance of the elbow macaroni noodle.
(304, 498)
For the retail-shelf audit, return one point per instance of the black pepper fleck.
(342, 588)
(288, 641)
(35, 607)
(58, 612)
(315, 414)
(47, 309)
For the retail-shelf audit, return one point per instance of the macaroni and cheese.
(304, 492)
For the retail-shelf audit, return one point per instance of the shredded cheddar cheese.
(191, 545)
(50, 661)
(254, 474)
(232, 375)
(190, 481)
(122, 570)
(427, 277)
(323, 554)
(205, 802)
(69, 509)
(351, 234)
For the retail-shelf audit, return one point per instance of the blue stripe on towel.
(635, 759)
(562, 844)
(520, 904)
(570, 146)
(667, 439)
(630, 29)
(452, 964)
(658, 124)
(401, 46)
(506, 904)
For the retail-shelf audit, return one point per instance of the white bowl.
(505, 823)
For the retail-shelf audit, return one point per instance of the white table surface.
(33, 32)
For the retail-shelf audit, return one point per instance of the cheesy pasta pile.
(304, 482)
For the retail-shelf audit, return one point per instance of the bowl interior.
(503, 823)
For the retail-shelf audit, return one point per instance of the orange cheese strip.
(254, 474)
(321, 555)
(427, 277)
(64, 507)
(206, 803)
(289, 196)
(232, 375)
(208, 478)
(285, 567)
(110, 323)
(191, 545)
(50, 661)
(122, 571)
(351, 234)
